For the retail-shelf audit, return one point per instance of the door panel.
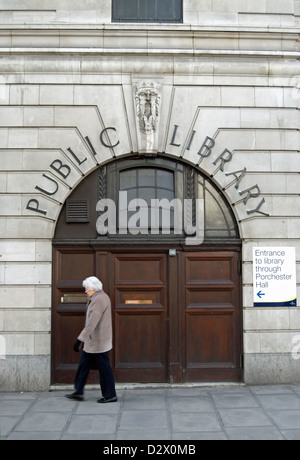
(139, 269)
(140, 316)
(210, 314)
(74, 265)
(203, 268)
(71, 267)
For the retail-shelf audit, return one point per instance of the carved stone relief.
(147, 101)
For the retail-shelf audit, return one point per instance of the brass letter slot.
(137, 302)
(74, 298)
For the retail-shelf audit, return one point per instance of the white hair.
(92, 283)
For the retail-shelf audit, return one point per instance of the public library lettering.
(205, 151)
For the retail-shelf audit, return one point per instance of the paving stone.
(280, 401)
(189, 404)
(6, 424)
(12, 407)
(244, 417)
(189, 422)
(230, 400)
(43, 421)
(286, 419)
(254, 434)
(147, 435)
(92, 424)
(53, 404)
(249, 413)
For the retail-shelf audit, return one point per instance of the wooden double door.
(176, 315)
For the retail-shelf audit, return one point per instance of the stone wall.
(210, 13)
(230, 72)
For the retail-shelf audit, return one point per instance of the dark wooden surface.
(175, 319)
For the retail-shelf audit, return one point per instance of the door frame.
(135, 275)
(229, 370)
(175, 321)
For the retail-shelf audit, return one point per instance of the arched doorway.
(177, 312)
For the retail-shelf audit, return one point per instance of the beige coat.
(97, 333)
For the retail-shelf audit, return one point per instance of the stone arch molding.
(147, 118)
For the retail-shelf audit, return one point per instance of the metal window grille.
(147, 11)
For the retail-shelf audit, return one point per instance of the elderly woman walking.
(95, 341)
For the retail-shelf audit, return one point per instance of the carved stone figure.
(147, 99)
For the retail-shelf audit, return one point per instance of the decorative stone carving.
(147, 99)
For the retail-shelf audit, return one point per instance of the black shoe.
(108, 400)
(75, 396)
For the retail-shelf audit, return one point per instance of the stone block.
(43, 251)
(289, 162)
(27, 273)
(11, 160)
(56, 94)
(22, 297)
(27, 228)
(24, 94)
(268, 227)
(194, 5)
(22, 138)
(280, 6)
(42, 297)
(37, 38)
(265, 319)
(10, 205)
(218, 19)
(42, 342)
(237, 97)
(295, 318)
(4, 88)
(25, 373)
(293, 184)
(269, 97)
(38, 116)
(33, 320)
(3, 178)
(1, 273)
(19, 344)
(252, 342)
(276, 342)
(272, 369)
(18, 250)
(292, 140)
(282, 203)
(255, 118)
(11, 116)
(293, 228)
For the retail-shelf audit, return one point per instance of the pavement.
(160, 413)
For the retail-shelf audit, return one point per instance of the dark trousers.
(101, 363)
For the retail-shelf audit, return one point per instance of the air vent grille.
(77, 211)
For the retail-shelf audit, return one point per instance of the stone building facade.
(213, 95)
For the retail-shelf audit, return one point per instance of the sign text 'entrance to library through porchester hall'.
(274, 277)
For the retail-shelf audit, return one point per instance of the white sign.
(274, 277)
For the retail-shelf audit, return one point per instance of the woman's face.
(89, 292)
